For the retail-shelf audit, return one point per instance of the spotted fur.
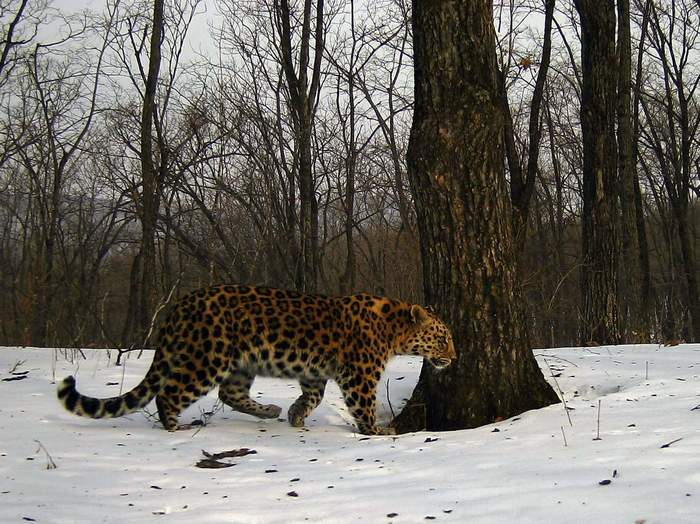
(226, 335)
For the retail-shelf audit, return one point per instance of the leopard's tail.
(112, 407)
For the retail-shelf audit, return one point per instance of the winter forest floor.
(537, 467)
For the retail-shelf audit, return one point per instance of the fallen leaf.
(10, 379)
(242, 452)
(213, 464)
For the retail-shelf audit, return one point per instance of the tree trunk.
(673, 148)
(150, 185)
(302, 100)
(634, 322)
(522, 181)
(347, 279)
(646, 291)
(599, 288)
(458, 182)
(692, 291)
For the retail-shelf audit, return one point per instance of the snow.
(517, 470)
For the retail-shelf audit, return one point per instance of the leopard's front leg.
(311, 395)
(360, 395)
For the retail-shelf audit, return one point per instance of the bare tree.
(151, 179)
(59, 90)
(599, 286)
(457, 178)
(670, 128)
(303, 81)
(523, 177)
(143, 46)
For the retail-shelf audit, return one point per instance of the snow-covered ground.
(537, 467)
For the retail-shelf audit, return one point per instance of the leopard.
(225, 335)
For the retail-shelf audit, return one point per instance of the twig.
(99, 319)
(153, 417)
(143, 347)
(100, 323)
(561, 393)
(131, 348)
(121, 383)
(69, 353)
(558, 358)
(76, 339)
(50, 463)
(563, 435)
(391, 408)
(668, 444)
(204, 416)
(598, 432)
(559, 284)
(16, 365)
(160, 307)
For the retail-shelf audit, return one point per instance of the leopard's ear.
(419, 315)
(431, 310)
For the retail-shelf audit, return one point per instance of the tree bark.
(646, 289)
(455, 160)
(599, 284)
(347, 278)
(150, 180)
(634, 321)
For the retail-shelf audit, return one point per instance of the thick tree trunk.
(646, 291)
(634, 325)
(464, 220)
(599, 288)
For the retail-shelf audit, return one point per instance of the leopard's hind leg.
(234, 391)
(188, 380)
(360, 395)
(176, 396)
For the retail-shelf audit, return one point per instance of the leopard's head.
(429, 337)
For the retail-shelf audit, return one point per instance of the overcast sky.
(199, 32)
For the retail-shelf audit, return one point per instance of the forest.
(147, 152)
(520, 177)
